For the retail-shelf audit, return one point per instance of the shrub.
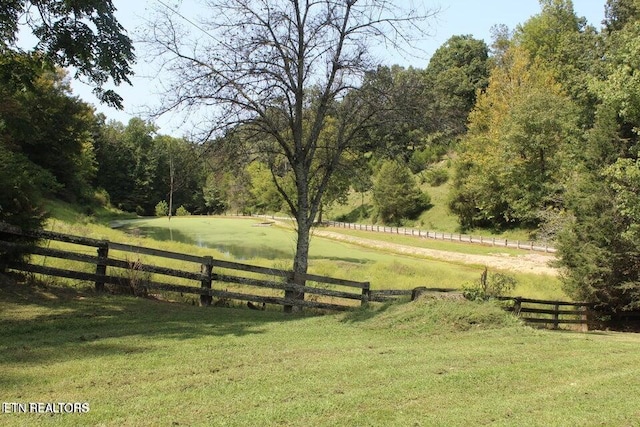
(182, 211)
(396, 195)
(162, 208)
(436, 176)
(489, 286)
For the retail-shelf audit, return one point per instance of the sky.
(456, 17)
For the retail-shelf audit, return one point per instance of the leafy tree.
(599, 247)
(619, 12)
(45, 123)
(396, 195)
(116, 163)
(60, 138)
(23, 186)
(266, 197)
(513, 157)
(83, 34)
(182, 211)
(420, 113)
(179, 174)
(457, 71)
(214, 193)
(279, 70)
(566, 46)
(400, 97)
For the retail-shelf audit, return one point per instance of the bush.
(182, 211)
(396, 195)
(489, 286)
(436, 176)
(162, 208)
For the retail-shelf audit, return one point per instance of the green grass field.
(432, 362)
(274, 246)
(140, 362)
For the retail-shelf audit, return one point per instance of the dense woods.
(539, 127)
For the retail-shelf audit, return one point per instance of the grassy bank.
(144, 362)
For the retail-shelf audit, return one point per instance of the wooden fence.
(550, 313)
(205, 271)
(533, 311)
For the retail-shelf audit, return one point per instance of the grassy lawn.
(431, 362)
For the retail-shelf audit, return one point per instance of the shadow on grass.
(44, 324)
(367, 312)
(359, 261)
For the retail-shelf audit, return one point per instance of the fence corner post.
(101, 265)
(584, 319)
(205, 283)
(517, 306)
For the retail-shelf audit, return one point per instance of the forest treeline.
(540, 126)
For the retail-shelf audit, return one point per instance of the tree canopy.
(83, 34)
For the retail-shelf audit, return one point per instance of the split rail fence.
(320, 291)
(550, 313)
(533, 311)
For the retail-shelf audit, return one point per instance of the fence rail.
(553, 313)
(533, 311)
(204, 269)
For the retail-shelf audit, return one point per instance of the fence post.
(366, 293)
(207, 278)
(101, 266)
(556, 316)
(290, 291)
(584, 319)
(517, 306)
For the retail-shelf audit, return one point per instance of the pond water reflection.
(238, 250)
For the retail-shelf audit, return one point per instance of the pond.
(237, 245)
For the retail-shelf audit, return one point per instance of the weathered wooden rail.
(532, 311)
(204, 270)
(550, 313)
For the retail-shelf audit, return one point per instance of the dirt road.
(528, 262)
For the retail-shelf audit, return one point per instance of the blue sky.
(457, 17)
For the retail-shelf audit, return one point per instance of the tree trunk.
(303, 241)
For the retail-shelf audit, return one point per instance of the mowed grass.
(141, 362)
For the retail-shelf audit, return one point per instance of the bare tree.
(277, 69)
